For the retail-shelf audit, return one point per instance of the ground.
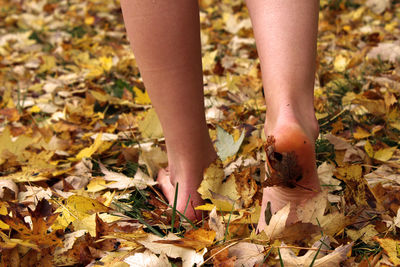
(80, 144)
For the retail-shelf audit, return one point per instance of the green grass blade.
(180, 214)
(280, 258)
(315, 257)
(227, 225)
(184, 212)
(174, 208)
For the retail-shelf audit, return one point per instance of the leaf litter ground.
(80, 144)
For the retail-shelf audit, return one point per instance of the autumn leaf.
(78, 134)
(323, 259)
(226, 146)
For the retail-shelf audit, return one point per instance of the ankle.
(292, 114)
(190, 167)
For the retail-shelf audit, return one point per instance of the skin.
(165, 38)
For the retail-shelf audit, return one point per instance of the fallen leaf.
(77, 208)
(154, 158)
(340, 63)
(298, 232)
(150, 126)
(247, 254)
(89, 151)
(323, 260)
(246, 186)
(147, 259)
(216, 224)
(189, 256)
(277, 223)
(221, 258)
(325, 174)
(9, 184)
(226, 146)
(360, 133)
(141, 98)
(391, 248)
(357, 189)
(213, 181)
(384, 154)
(366, 234)
(122, 182)
(197, 239)
(313, 210)
(378, 6)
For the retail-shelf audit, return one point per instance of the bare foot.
(187, 195)
(298, 136)
(188, 180)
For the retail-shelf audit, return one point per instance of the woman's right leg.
(165, 38)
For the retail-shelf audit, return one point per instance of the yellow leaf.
(360, 133)
(108, 198)
(27, 175)
(141, 98)
(96, 185)
(89, 20)
(223, 193)
(95, 71)
(34, 109)
(106, 63)
(150, 126)
(99, 96)
(89, 151)
(396, 125)
(196, 239)
(390, 246)
(77, 208)
(384, 154)
(49, 63)
(213, 177)
(209, 60)
(3, 211)
(89, 222)
(340, 63)
(321, 115)
(206, 207)
(369, 149)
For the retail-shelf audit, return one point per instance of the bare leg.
(286, 33)
(165, 38)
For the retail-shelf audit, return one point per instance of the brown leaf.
(222, 258)
(298, 232)
(283, 169)
(196, 239)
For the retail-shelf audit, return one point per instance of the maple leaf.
(121, 181)
(42, 218)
